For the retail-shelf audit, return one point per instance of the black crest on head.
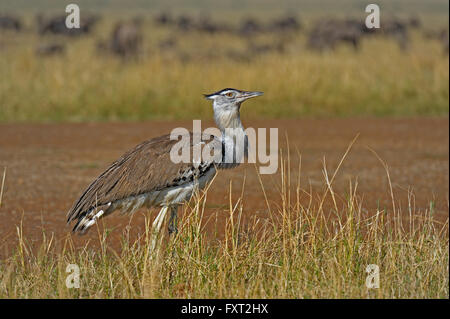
(220, 92)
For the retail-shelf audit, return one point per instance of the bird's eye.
(230, 94)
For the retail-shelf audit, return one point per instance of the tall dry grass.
(314, 248)
(83, 85)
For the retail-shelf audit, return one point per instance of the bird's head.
(231, 98)
(227, 102)
(226, 105)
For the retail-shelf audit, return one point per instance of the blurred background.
(71, 100)
(138, 60)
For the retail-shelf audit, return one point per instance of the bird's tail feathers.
(88, 219)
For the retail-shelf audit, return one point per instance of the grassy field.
(315, 248)
(83, 85)
(237, 8)
(299, 252)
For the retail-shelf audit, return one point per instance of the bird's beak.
(209, 96)
(248, 95)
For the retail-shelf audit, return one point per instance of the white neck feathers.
(234, 138)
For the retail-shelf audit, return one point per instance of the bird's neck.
(228, 120)
(234, 138)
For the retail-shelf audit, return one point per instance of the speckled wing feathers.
(144, 169)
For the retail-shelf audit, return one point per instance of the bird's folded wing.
(147, 167)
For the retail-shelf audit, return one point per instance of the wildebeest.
(440, 35)
(46, 49)
(249, 27)
(10, 22)
(394, 28)
(327, 33)
(414, 22)
(125, 40)
(206, 25)
(164, 19)
(288, 23)
(185, 23)
(57, 25)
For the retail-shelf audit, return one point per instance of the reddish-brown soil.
(48, 165)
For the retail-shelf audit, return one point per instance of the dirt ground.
(49, 165)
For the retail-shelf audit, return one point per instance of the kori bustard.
(146, 175)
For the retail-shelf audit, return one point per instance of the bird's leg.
(156, 226)
(173, 220)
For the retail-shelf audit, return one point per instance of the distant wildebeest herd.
(126, 37)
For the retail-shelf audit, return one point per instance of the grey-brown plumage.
(145, 169)
(147, 177)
